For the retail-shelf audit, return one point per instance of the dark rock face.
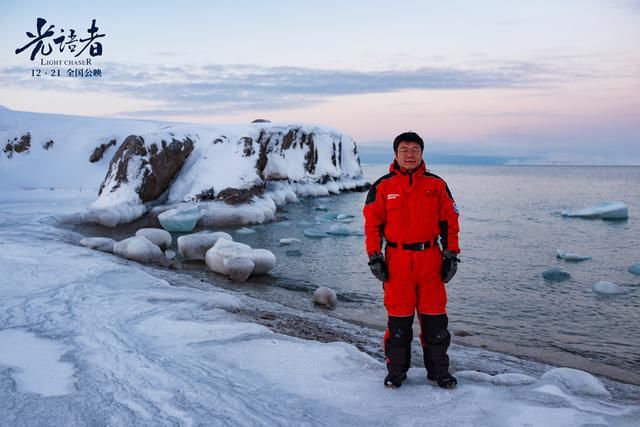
(234, 196)
(157, 166)
(18, 146)
(99, 151)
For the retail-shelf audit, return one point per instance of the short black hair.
(407, 137)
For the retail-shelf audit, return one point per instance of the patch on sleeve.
(455, 208)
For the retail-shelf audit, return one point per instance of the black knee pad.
(400, 328)
(441, 336)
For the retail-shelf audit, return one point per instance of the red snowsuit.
(410, 208)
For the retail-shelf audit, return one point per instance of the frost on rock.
(555, 275)
(157, 236)
(570, 256)
(325, 296)
(139, 249)
(103, 244)
(239, 268)
(635, 269)
(608, 288)
(576, 382)
(605, 210)
(182, 219)
(195, 246)
(216, 258)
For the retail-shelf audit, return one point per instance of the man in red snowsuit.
(414, 212)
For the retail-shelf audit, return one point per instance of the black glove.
(449, 265)
(378, 267)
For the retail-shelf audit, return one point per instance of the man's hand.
(378, 267)
(449, 265)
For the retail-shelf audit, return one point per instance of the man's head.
(408, 148)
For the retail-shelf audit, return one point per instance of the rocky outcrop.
(151, 169)
(21, 145)
(100, 150)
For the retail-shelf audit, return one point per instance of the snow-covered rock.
(239, 268)
(325, 296)
(575, 381)
(157, 236)
(215, 258)
(571, 256)
(554, 274)
(181, 219)
(139, 249)
(608, 288)
(195, 246)
(635, 269)
(289, 240)
(604, 210)
(103, 244)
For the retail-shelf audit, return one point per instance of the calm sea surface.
(511, 228)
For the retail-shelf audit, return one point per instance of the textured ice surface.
(576, 382)
(157, 236)
(604, 210)
(609, 288)
(195, 246)
(181, 219)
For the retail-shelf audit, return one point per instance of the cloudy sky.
(538, 81)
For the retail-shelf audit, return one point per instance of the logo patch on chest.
(393, 196)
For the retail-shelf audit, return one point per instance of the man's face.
(409, 155)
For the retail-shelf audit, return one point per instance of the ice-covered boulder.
(635, 269)
(157, 236)
(239, 268)
(325, 296)
(576, 382)
(181, 219)
(555, 275)
(139, 249)
(608, 288)
(195, 246)
(289, 240)
(215, 258)
(571, 256)
(605, 210)
(103, 244)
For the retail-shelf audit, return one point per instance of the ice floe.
(609, 288)
(554, 274)
(635, 269)
(604, 210)
(571, 256)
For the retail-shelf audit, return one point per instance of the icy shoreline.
(131, 344)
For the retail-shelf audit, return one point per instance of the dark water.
(511, 228)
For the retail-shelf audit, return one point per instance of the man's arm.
(448, 221)
(374, 218)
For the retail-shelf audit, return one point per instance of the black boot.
(397, 349)
(435, 342)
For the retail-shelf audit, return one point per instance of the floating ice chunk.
(245, 230)
(344, 218)
(576, 382)
(321, 208)
(103, 244)
(293, 252)
(139, 249)
(114, 215)
(604, 210)
(608, 288)
(289, 240)
(195, 246)
(169, 254)
(325, 296)
(332, 217)
(239, 268)
(342, 230)
(180, 219)
(635, 269)
(555, 275)
(570, 256)
(263, 259)
(315, 233)
(157, 236)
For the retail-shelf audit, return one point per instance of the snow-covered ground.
(87, 338)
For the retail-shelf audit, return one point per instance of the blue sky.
(552, 81)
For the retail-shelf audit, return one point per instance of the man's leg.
(397, 349)
(436, 339)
